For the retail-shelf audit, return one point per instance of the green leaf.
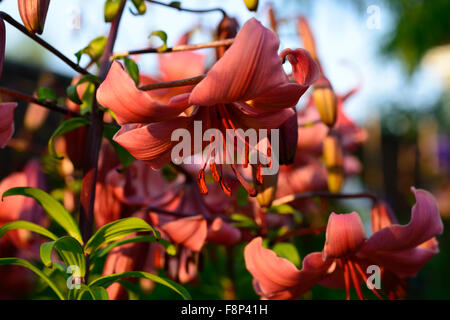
(288, 251)
(96, 293)
(94, 49)
(70, 251)
(252, 5)
(175, 4)
(242, 221)
(116, 230)
(63, 128)
(105, 281)
(242, 197)
(46, 94)
(27, 226)
(111, 9)
(163, 36)
(170, 248)
(125, 158)
(72, 94)
(132, 69)
(54, 209)
(140, 6)
(26, 264)
(287, 209)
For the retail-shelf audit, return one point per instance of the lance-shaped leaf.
(111, 9)
(46, 94)
(163, 36)
(72, 92)
(132, 69)
(106, 281)
(96, 293)
(288, 251)
(170, 248)
(27, 226)
(116, 230)
(70, 251)
(66, 126)
(53, 208)
(140, 6)
(26, 264)
(94, 49)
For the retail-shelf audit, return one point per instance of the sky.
(347, 47)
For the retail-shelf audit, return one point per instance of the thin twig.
(179, 8)
(175, 83)
(43, 43)
(45, 104)
(299, 232)
(323, 194)
(186, 47)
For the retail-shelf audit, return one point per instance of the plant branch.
(186, 47)
(323, 194)
(94, 139)
(172, 84)
(299, 232)
(179, 8)
(46, 104)
(43, 43)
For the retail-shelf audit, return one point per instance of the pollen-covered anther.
(201, 182)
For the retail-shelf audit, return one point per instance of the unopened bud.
(325, 101)
(266, 190)
(332, 153)
(252, 5)
(33, 14)
(227, 29)
(307, 37)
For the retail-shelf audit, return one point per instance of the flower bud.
(227, 29)
(252, 5)
(266, 190)
(325, 101)
(307, 37)
(33, 14)
(332, 153)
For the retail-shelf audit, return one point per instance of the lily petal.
(345, 234)
(222, 233)
(278, 278)
(191, 232)
(119, 93)
(249, 68)
(425, 223)
(305, 69)
(249, 117)
(151, 143)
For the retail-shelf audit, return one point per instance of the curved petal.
(151, 143)
(345, 234)
(305, 69)
(6, 122)
(119, 93)
(278, 278)
(249, 117)
(285, 95)
(181, 65)
(249, 68)
(425, 223)
(191, 232)
(222, 233)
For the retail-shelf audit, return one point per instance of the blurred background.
(396, 51)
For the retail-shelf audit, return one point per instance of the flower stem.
(43, 43)
(187, 47)
(175, 83)
(323, 194)
(45, 104)
(179, 8)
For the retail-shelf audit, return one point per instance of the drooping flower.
(400, 249)
(246, 88)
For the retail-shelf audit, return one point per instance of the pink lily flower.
(401, 249)
(246, 88)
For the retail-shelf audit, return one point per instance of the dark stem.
(43, 43)
(187, 47)
(323, 194)
(172, 84)
(94, 141)
(299, 232)
(179, 8)
(45, 104)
